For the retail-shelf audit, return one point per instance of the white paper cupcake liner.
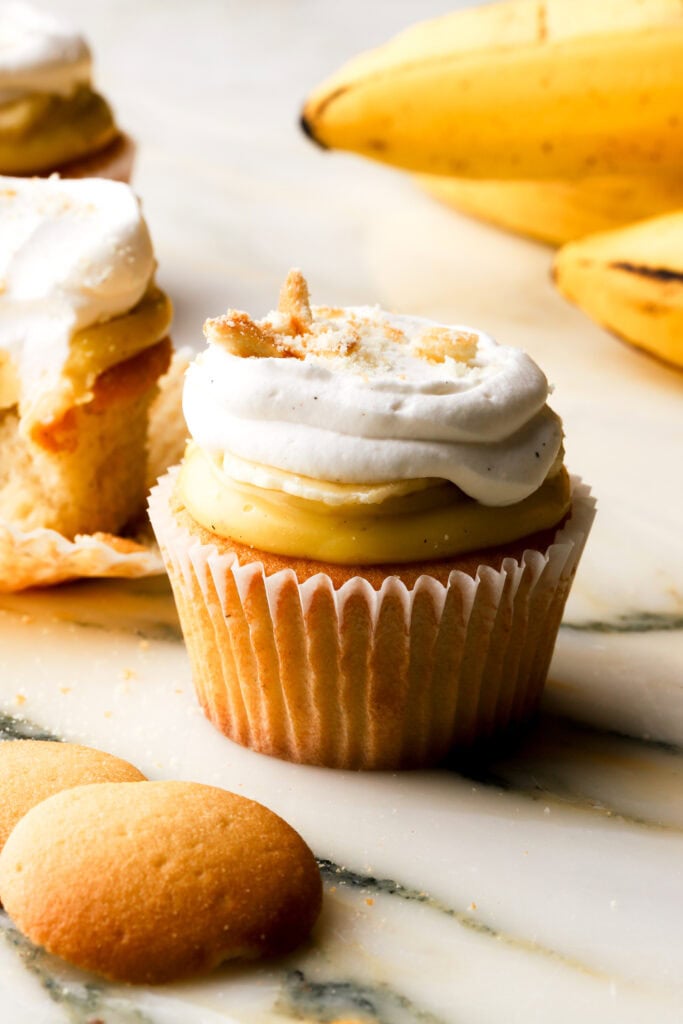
(364, 678)
(39, 558)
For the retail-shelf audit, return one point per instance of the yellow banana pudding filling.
(92, 350)
(96, 348)
(430, 519)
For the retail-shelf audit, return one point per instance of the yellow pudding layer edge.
(40, 133)
(93, 350)
(435, 522)
(96, 348)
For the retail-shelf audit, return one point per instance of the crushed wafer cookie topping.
(366, 338)
(295, 302)
(437, 344)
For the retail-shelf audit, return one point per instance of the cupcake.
(83, 342)
(51, 119)
(371, 536)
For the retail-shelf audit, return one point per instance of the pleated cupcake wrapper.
(40, 558)
(359, 678)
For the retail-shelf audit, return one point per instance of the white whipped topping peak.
(72, 253)
(362, 396)
(39, 54)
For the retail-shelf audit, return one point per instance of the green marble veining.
(559, 758)
(337, 875)
(80, 1002)
(303, 998)
(631, 622)
(17, 728)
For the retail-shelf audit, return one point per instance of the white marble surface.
(547, 885)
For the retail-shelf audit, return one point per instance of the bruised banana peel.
(631, 281)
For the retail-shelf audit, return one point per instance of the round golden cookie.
(157, 881)
(32, 770)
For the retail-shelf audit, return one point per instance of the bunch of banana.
(552, 118)
(558, 211)
(631, 281)
(526, 90)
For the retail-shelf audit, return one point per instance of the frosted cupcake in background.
(51, 118)
(83, 344)
(372, 535)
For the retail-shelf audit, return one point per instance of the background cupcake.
(372, 535)
(84, 346)
(51, 118)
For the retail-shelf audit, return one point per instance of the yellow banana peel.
(631, 281)
(558, 211)
(533, 89)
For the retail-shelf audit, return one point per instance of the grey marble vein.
(335, 874)
(631, 622)
(568, 763)
(17, 728)
(325, 1001)
(81, 1002)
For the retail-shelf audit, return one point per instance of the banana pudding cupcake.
(372, 534)
(83, 342)
(51, 119)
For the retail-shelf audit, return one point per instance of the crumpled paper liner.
(359, 678)
(40, 557)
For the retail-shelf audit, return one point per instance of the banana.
(558, 211)
(533, 89)
(631, 281)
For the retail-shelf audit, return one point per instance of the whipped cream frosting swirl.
(72, 253)
(377, 410)
(39, 54)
